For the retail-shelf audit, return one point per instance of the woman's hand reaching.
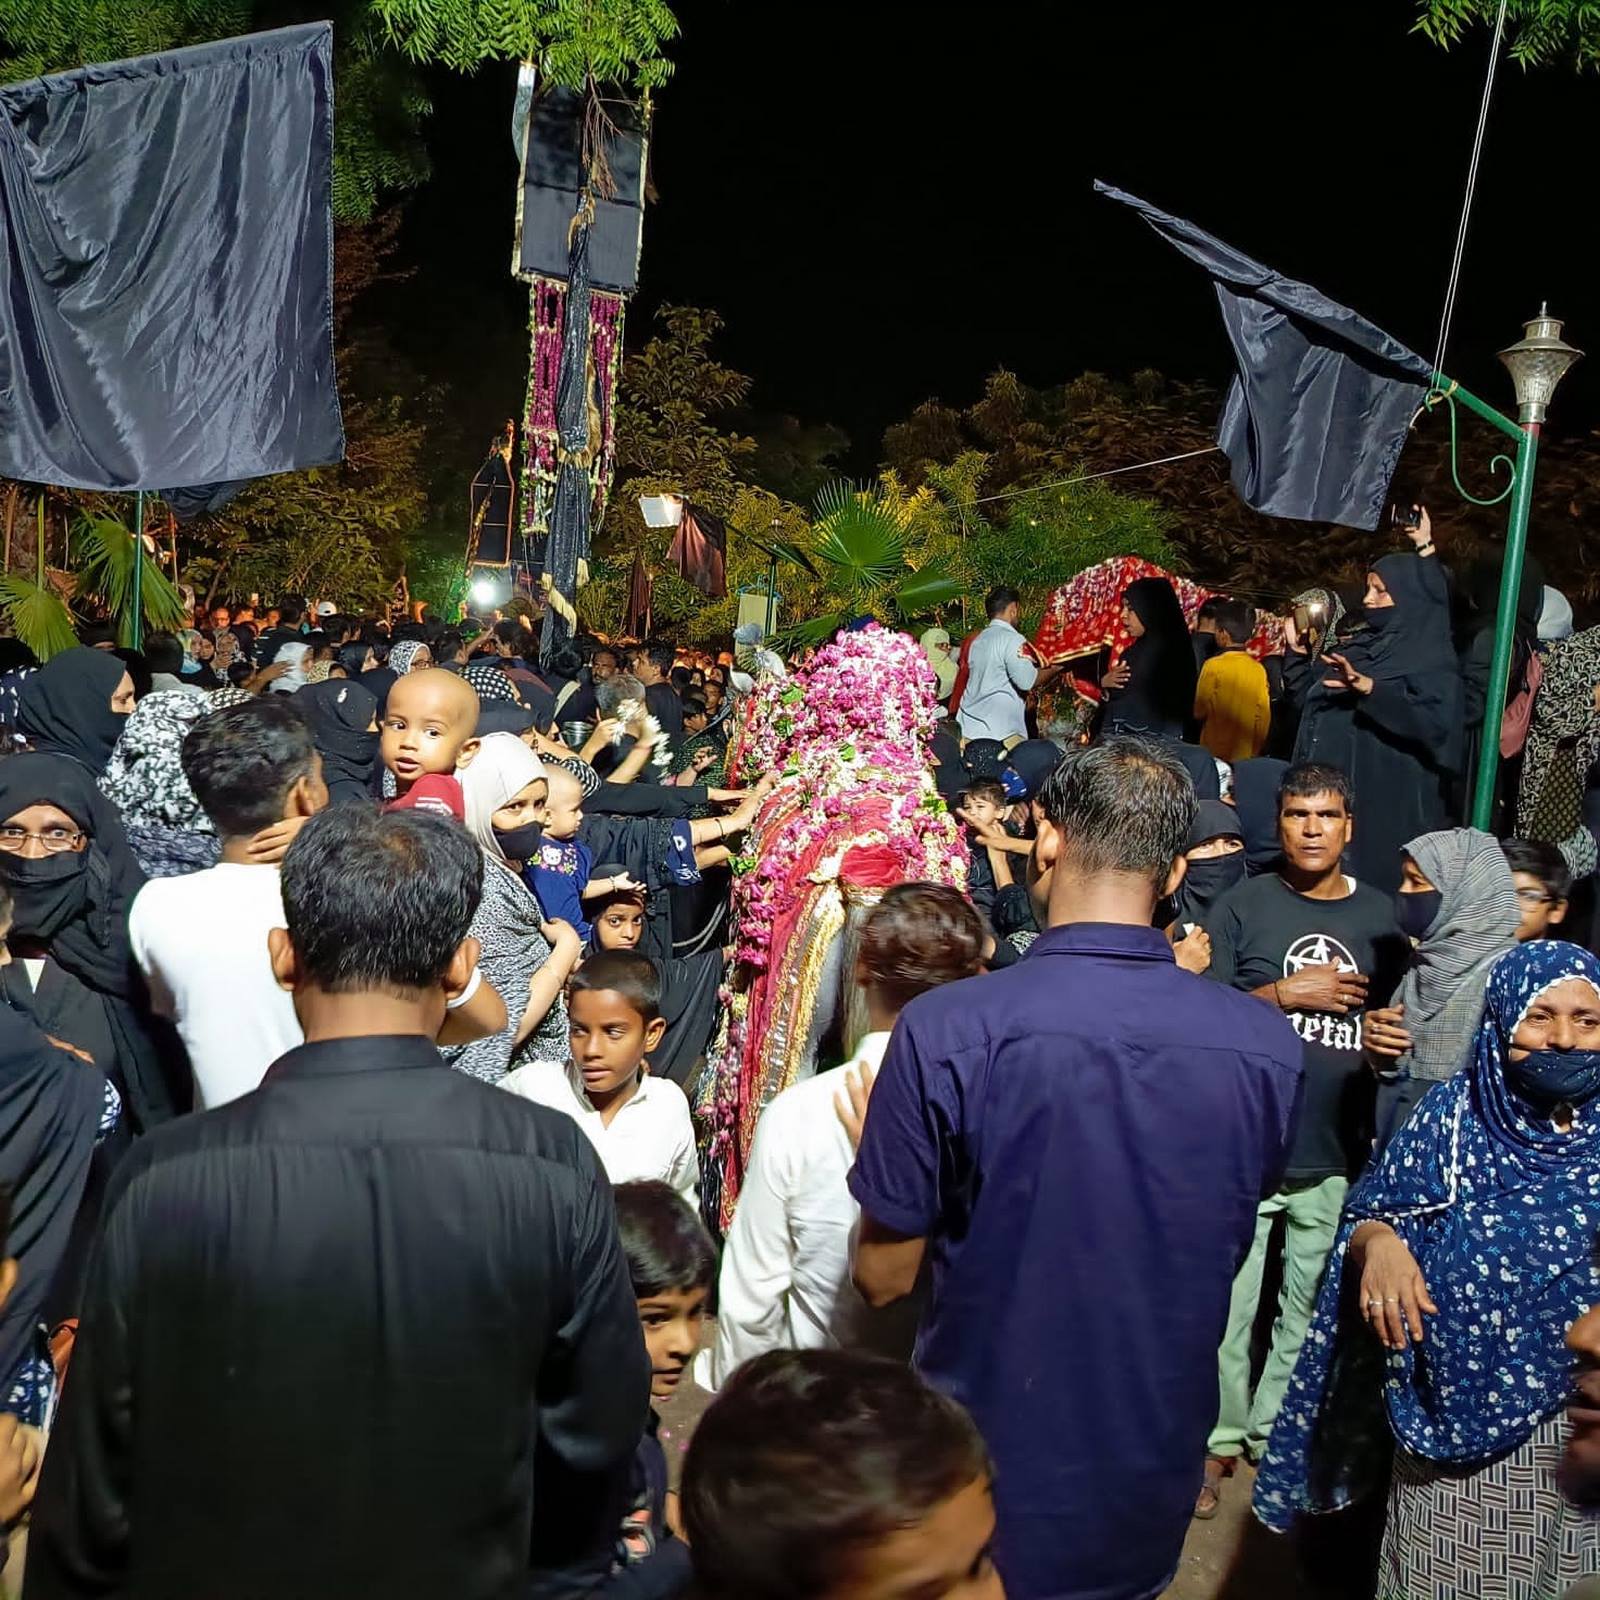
(1394, 1294)
(1344, 676)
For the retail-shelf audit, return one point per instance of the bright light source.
(483, 592)
(661, 510)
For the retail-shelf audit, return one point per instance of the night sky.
(888, 201)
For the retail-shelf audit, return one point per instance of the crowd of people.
(1233, 1124)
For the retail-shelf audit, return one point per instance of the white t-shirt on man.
(201, 942)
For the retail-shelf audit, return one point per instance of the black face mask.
(1377, 617)
(521, 844)
(48, 890)
(1416, 912)
(1207, 881)
(1550, 1078)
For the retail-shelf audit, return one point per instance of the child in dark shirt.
(672, 1263)
(983, 806)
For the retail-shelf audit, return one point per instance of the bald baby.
(429, 725)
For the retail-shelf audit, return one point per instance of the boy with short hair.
(982, 806)
(1231, 699)
(817, 1467)
(672, 1264)
(1544, 882)
(638, 1123)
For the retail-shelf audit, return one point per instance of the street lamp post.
(1536, 362)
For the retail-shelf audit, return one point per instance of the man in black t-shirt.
(1322, 949)
(652, 666)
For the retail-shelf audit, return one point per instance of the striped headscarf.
(1477, 923)
(1563, 740)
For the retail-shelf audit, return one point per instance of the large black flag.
(166, 266)
(1318, 410)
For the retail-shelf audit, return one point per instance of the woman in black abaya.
(66, 863)
(1150, 691)
(344, 723)
(1387, 712)
(75, 705)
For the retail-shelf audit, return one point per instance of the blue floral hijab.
(1500, 1210)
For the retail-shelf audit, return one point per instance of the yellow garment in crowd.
(1232, 705)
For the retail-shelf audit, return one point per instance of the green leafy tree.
(1538, 30)
(576, 43)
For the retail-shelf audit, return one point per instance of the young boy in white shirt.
(639, 1124)
(786, 1269)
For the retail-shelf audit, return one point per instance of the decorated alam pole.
(1537, 362)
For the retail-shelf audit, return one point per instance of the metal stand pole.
(136, 621)
(772, 595)
(1505, 626)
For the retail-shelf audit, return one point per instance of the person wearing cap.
(1311, 942)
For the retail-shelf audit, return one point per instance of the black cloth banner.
(568, 541)
(1321, 401)
(641, 600)
(166, 266)
(700, 551)
(554, 180)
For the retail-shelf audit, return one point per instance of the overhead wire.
(1447, 312)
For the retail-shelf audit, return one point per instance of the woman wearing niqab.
(66, 707)
(1386, 711)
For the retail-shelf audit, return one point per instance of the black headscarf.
(1159, 693)
(1208, 880)
(66, 707)
(1413, 635)
(75, 904)
(1034, 760)
(949, 775)
(340, 713)
(1255, 798)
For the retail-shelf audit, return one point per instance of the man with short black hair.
(163, 655)
(1321, 948)
(1001, 669)
(368, 1330)
(201, 939)
(1083, 1139)
(652, 666)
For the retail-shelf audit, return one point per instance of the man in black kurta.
(367, 1331)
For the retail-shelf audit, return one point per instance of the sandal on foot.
(1209, 1501)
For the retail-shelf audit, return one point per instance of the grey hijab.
(1477, 923)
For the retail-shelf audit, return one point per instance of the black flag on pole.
(166, 264)
(700, 551)
(1318, 410)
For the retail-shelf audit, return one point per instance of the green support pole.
(1505, 625)
(136, 621)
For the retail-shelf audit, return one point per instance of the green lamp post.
(1537, 362)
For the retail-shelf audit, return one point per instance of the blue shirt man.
(1084, 1139)
(1000, 671)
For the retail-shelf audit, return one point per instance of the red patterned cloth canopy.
(1084, 615)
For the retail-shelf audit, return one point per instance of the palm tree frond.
(39, 616)
(106, 561)
(859, 534)
(929, 586)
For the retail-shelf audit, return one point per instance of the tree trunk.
(12, 495)
(216, 578)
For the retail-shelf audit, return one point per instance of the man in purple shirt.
(1084, 1139)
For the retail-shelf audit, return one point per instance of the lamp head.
(661, 510)
(1537, 362)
